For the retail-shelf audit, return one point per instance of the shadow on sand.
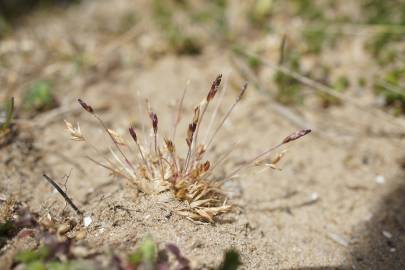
(13, 10)
(380, 241)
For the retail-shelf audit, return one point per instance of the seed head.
(196, 117)
(88, 108)
(206, 166)
(242, 92)
(214, 88)
(296, 135)
(116, 137)
(75, 133)
(190, 133)
(170, 145)
(200, 151)
(133, 134)
(154, 119)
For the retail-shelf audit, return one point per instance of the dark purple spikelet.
(154, 119)
(190, 133)
(296, 135)
(133, 134)
(214, 88)
(85, 106)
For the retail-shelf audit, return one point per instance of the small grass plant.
(158, 166)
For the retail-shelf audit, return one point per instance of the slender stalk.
(179, 109)
(242, 92)
(140, 110)
(187, 159)
(251, 161)
(115, 143)
(135, 138)
(224, 156)
(64, 195)
(215, 112)
(292, 137)
(172, 151)
(108, 168)
(98, 152)
(195, 140)
(161, 164)
(143, 157)
(211, 94)
(175, 162)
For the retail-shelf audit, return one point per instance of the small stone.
(314, 196)
(80, 235)
(63, 228)
(380, 179)
(80, 251)
(87, 220)
(47, 221)
(387, 234)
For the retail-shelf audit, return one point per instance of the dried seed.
(80, 235)
(296, 135)
(169, 145)
(190, 133)
(196, 117)
(85, 106)
(154, 119)
(214, 88)
(116, 137)
(133, 134)
(75, 133)
(63, 228)
(242, 92)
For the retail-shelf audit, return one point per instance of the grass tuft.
(161, 168)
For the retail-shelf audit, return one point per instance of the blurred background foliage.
(311, 36)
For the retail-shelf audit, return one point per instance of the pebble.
(87, 220)
(80, 235)
(387, 234)
(63, 228)
(380, 179)
(80, 251)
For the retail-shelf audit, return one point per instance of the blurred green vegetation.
(177, 39)
(40, 97)
(392, 87)
(390, 16)
(40, 259)
(145, 255)
(231, 260)
(289, 88)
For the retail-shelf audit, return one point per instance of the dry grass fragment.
(161, 168)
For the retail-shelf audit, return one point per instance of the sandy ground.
(339, 201)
